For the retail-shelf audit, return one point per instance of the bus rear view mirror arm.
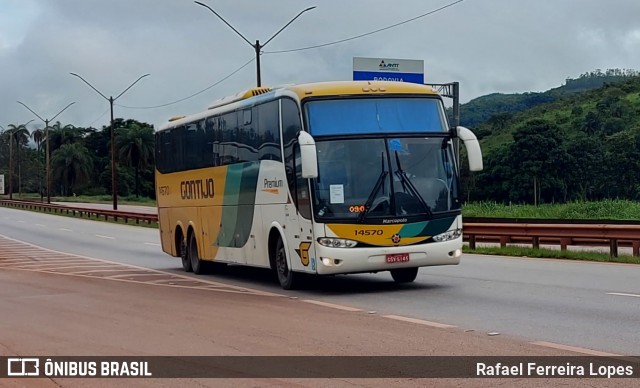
(308, 155)
(473, 148)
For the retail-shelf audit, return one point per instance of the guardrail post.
(535, 242)
(504, 240)
(472, 240)
(564, 242)
(636, 248)
(614, 248)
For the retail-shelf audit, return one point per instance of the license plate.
(398, 258)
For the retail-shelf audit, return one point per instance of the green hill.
(578, 145)
(484, 108)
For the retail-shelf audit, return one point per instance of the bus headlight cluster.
(449, 235)
(337, 242)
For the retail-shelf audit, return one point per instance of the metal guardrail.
(557, 234)
(502, 231)
(114, 215)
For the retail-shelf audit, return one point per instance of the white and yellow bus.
(324, 178)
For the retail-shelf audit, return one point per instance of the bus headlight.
(337, 242)
(449, 235)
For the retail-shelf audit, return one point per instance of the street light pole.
(111, 99)
(257, 46)
(4, 130)
(47, 152)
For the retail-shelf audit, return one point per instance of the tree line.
(80, 159)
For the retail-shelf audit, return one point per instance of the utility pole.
(114, 180)
(47, 151)
(257, 46)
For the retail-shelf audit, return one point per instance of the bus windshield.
(375, 115)
(387, 177)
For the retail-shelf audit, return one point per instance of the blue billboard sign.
(384, 69)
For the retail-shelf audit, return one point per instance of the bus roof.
(358, 88)
(317, 89)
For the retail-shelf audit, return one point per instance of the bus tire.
(184, 255)
(197, 265)
(286, 277)
(404, 275)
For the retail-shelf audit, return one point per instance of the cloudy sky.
(487, 45)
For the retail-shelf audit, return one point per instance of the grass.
(610, 209)
(551, 254)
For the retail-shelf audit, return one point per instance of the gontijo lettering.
(197, 189)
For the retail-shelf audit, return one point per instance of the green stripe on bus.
(238, 205)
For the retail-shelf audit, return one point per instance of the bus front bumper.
(332, 261)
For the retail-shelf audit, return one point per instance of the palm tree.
(135, 145)
(20, 135)
(71, 164)
(38, 136)
(60, 135)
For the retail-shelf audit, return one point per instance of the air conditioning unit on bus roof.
(240, 96)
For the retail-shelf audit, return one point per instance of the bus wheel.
(285, 275)
(196, 264)
(184, 255)
(404, 275)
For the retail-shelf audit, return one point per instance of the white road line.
(623, 294)
(40, 225)
(331, 305)
(186, 277)
(153, 244)
(590, 352)
(108, 237)
(418, 321)
(65, 229)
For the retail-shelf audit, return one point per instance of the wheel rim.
(281, 262)
(184, 255)
(193, 254)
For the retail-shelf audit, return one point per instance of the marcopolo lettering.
(197, 189)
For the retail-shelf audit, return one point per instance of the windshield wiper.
(374, 191)
(407, 185)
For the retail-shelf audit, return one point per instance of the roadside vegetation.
(517, 251)
(607, 209)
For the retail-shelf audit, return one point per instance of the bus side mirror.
(473, 148)
(308, 155)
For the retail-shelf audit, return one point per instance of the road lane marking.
(331, 305)
(576, 349)
(222, 287)
(65, 229)
(623, 294)
(419, 321)
(152, 244)
(107, 237)
(40, 225)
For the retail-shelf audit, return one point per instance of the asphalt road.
(590, 305)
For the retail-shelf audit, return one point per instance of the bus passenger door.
(299, 230)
